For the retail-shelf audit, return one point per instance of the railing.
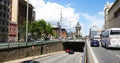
(7, 45)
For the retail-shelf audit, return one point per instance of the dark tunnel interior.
(76, 46)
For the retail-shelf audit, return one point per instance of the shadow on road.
(30, 61)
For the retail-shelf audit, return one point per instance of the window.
(117, 13)
(3, 29)
(105, 34)
(115, 32)
(14, 29)
(10, 29)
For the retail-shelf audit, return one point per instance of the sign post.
(33, 47)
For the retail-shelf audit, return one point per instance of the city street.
(107, 55)
(62, 57)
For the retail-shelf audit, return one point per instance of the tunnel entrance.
(76, 46)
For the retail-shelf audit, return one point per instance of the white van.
(97, 37)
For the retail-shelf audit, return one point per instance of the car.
(30, 61)
(37, 41)
(71, 51)
(67, 50)
(94, 43)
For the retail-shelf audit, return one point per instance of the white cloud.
(101, 13)
(91, 20)
(95, 20)
(50, 12)
(67, 5)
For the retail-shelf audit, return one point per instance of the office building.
(4, 20)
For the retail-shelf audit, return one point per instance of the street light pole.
(60, 28)
(27, 20)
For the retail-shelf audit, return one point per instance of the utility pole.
(59, 24)
(70, 25)
(27, 20)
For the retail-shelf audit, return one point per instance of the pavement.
(31, 58)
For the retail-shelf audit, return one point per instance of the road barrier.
(7, 45)
(89, 56)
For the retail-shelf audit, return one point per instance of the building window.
(3, 30)
(14, 29)
(117, 13)
(10, 29)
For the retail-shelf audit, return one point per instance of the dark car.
(30, 61)
(71, 51)
(95, 43)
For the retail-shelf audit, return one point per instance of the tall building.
(4, 20)
(107, 7)
(114, 15)
(18, 18)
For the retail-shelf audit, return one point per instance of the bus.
(111, 38)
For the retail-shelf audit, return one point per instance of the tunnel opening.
(76, 46)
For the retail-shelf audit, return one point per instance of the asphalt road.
(61, 57)
(107, 55)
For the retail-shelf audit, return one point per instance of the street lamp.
(59, 26)
(27, 20)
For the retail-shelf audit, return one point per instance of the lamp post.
(59, 25)
(27, 20)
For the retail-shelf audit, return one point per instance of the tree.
(38, 29)
(48, 29)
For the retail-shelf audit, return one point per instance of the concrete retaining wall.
(17, 53)
(90, 56)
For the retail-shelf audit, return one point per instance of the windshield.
(115, 32)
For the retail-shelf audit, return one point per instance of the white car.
(39, 40)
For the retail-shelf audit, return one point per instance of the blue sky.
(87, 12)
(86, 6)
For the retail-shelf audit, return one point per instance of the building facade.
(4, 20)
(114, 15)
(107, 7)
(63, 33)
(18, 18)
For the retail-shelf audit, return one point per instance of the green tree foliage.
(38, 29)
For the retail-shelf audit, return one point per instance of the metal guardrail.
(7, 45)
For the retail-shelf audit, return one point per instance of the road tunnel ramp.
(76, 46)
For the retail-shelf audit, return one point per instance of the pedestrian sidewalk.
(31, 58)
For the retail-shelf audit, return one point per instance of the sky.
(87, 12)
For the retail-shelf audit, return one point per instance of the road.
(107, 55)
(61, 57)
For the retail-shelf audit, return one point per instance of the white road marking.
(80, 60)
(109, 51)
(118, 55)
